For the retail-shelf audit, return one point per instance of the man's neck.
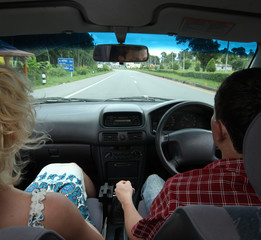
(231, 154)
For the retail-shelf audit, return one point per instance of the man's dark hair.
(237, 102)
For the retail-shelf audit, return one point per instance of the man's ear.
(221, 131)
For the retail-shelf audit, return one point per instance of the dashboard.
(111, 141)
(83, 122)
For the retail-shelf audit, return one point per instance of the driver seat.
(205, 222)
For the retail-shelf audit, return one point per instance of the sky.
(158, 43)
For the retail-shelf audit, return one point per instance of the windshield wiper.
(138, 99)
(62, 100)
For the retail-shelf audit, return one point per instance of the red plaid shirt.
(223, 182)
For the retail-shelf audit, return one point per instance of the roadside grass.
(171, 75)
(55, 80)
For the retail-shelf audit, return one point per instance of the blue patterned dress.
(65, 178)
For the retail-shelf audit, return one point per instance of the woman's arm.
(62, 216)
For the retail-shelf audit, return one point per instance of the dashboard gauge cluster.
(181, 120)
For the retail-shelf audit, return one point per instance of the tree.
(36, 68)
(251, 53)
(163, 56)
(185, 54)
(187, 64)
(204, 49)
(175, 66)
(170, 58)
(197, 67)
(238, 64)
(241, 52)
(211, 66)
(50, 47)
(154, 60)
(51, 41)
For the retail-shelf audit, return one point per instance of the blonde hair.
(17, 123)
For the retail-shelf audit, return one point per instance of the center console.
(122, 144)
(122, 163)
(120, 155)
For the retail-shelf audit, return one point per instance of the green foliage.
(87, 69)
(163, 54)
(161, 66)
(238, 64)
(57, 72)
(175, 66)
(105, 68)
(205, 48)
(187, 64)
(214, 76)
(197, 67)
(186, 54)
(50, 47)
(211, 66)
(145, 66)
(170, 58)
(35, 69)
(199, 44)
(82, 70)
(240, 51)
(154, 60)
(204, 58)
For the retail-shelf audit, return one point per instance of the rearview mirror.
(120, 53)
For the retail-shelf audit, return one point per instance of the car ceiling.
(234, 20)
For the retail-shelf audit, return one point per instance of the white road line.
(79, 91)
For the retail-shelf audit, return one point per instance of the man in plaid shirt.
(223, 182)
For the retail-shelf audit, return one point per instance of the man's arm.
(124, 192)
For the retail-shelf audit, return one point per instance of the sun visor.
(204, 23)
(43, 19)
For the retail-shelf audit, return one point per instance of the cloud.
(157, 52)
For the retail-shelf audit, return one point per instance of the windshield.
(61, 67)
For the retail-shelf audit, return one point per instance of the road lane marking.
(79, 91)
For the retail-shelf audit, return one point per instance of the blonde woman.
(35, 207)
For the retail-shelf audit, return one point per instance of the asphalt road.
(126, 83)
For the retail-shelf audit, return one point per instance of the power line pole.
(227, 56)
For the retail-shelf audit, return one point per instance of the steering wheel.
(189, 146)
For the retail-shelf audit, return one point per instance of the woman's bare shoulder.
(62, 216)
(58, 209)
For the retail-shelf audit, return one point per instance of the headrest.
(252, 153)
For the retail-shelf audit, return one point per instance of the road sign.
(68, 68)
(67, 64)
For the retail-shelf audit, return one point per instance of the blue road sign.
(68, 68)
(66, 63)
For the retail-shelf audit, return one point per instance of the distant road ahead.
(126, 83)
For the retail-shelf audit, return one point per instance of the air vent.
(135, 136)
(122, 119)
(110, 137)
